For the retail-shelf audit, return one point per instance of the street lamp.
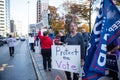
(28, 12)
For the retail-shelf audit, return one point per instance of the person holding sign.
(114, 48)
(74, 38)
(46, 44)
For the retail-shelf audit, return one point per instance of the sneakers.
(12, 55)
(46, 70)
(49, 69)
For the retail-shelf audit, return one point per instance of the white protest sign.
(66, 58)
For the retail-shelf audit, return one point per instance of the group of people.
(71, 38)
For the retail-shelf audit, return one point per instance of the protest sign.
(111, 62)
(66, 58)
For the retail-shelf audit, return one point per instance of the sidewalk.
(54, 74)
(46, 75)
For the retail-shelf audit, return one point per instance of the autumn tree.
(55, 21)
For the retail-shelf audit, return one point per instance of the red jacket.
(45, 41)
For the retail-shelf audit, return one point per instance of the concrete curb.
(37, 72)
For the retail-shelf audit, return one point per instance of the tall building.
(42, 12)
(4, 17)
(39, 11)
(8, 16)
(12, 26)
(18, 28)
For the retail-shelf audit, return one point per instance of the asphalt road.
(20, 66)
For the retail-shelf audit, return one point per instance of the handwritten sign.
(66, 58)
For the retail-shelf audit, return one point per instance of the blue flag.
(106, 29)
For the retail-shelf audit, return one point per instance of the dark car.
(17, 38)
(1, 43)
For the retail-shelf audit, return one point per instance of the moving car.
(22, 38)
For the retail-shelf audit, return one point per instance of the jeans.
(11, 50)
(32, 47)
(46, 54)
(75, 76)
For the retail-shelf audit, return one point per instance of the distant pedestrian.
(46, 43)
(11, 43)
(51, 33)
(36, 40)
(31, 41)
(74, 38)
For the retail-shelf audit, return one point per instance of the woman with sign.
(74, 38)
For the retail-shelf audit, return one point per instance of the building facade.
(4, 17)
(12, 26)
(42, 12)
(39, 15)
(7, 16)
(32, 29)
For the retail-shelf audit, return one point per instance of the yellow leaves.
(56, 25)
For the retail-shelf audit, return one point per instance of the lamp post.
(28, 13)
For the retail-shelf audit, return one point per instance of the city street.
(20, 66)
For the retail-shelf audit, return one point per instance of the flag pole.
(90, 16)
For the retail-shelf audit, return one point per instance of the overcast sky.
(19, 11)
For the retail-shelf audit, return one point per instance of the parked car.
(17, 38)
(5, 40)
(1, 43)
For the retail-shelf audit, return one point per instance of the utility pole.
(28, 15)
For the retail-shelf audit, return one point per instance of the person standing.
(31, 41)
(51, 33)
(36, 40)
(46, 43)
(74, 38)
(85, 38)
(59, 38)
(114, 48)
(11, 42)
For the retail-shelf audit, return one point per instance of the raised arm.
(39, 34)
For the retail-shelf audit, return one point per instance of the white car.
(22, 38)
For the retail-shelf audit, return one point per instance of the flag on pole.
(106, 29)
